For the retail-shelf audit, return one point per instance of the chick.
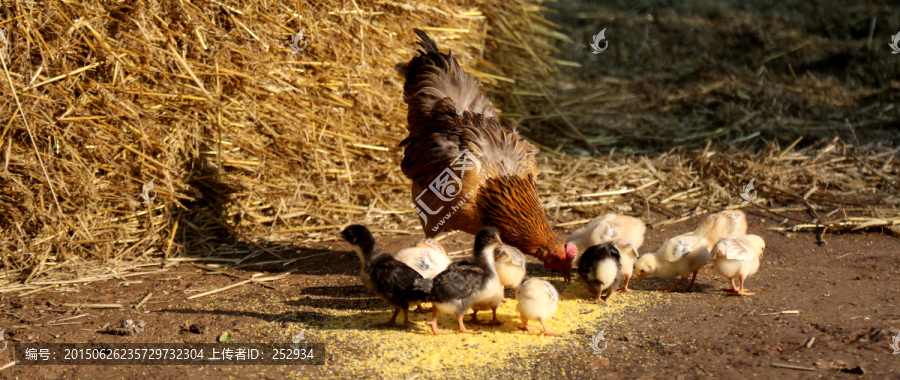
(738, 257)
(600, 268)
(390, 279)
(629, 255)
(427, 257)
(510, 265)
(627, 231)
(459, 287)
(681, 256)
(608, 228)
(720, 225)
(536, 301)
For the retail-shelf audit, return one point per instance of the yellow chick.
(681, 256)
(537, 301)
(628, 255)
(722, 224)
(510, 265)
(738, 257)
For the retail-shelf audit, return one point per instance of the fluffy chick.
(427, 257)
(608, 228)
(510, 265)
(627, 232)
(720, 225)
(629, 254)
(536, 301)
(390, 279)
(600, 268)
(681, 256)
(460, 286)
(738, 257)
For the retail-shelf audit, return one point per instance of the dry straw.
(255, 149)
(243, 137)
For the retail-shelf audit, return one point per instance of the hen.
(468, 169)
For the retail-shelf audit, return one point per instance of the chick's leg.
(673, 286)
(733, 288)
(420, 309)
(609, 293)
(474, 317)
(547, 331)
(405, 317)
(433, 323)
(741, 291)
(495, 321)
(625, 287)
(525, 326)
(462, 326)
(690, 286)
(392, 322)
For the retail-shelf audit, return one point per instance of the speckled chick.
(536, 300)
(720, 225)
(459, 287)
(681, 256)
(608, 228)
(600, 268)
(390, 279)
(738, 257)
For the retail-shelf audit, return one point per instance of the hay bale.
(236, 130)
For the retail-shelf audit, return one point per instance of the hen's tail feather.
(426, 43)
(432, 76)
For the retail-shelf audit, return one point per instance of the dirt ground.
(844, 294)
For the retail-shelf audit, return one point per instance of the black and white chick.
(392, 280)
(600, 267)
(459, 287)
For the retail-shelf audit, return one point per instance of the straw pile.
(249, 145)
(207, 99)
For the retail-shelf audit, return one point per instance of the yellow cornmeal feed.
(398, 353)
